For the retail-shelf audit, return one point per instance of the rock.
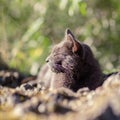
(108, 114)
(31, 100)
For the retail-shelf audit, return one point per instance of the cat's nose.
(47, 59)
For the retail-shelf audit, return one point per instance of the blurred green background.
(28, 28)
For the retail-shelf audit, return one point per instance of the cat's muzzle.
(56, 67)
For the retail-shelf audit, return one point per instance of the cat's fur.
(72, 65)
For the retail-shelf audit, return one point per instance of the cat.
(71, 65)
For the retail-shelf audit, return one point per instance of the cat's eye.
(59, 62)
(64, 54)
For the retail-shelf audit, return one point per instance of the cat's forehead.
(61, 47)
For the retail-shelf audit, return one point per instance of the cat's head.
(67, 55)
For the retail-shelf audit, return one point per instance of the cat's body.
(72, 65)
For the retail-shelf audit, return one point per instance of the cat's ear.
(76, 46)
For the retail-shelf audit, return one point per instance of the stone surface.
(31, 101)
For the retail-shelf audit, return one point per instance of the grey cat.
(71, 65)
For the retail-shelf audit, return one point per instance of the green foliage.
(28, 28)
